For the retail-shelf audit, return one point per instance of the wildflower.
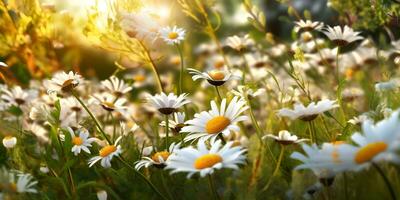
(158, 159)
(285, 137)
(325, 162)
(177, 124)
(205, 161)
(101, 195)
(129, 127)
(214, 77)
(14, 181)
(342, 37)
(172, 35)
(308, 25)
(17, 96)
(106, 154)
(216, 121)
(63, 82)
(116, 86)
(308, 113)
(388, 85)
(378, 142)
(244, 91)
(168, 104)
(80, 142)
(239, 43)
(9, 142)
(109, 102)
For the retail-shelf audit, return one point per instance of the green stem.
(278, 164)
(152, 66)
(181, 70)
(165, 185)
(92, 116)
(166, 131)
(152, 186)
(221, 137)
(219, 95)
(212, 187)
(386, 180)
(310, 132)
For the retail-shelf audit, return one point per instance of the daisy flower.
(158, 159)
(177, 124)
(14, 181)
(109, 102)
(116, 86)
(81, 142)
(214, 77)
(308, 25)
(285, 138)
(218, 120)
(172, 35)
(106, 154)
(342, 37)
(244, 91)
(17, 96)
(205, 160)
(308, 113)
(63, 82)
(326, 161)
(168, 104)
(239, 43)
(378, 142)
(9, 142)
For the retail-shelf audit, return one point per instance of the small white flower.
(106, 154)
(168, 104)
(16, 96)
(81, 142)
(205, 160)
(158, 159)
(44, 169)
(239, 43)
(63, 82)
(3, 64)
(388, 85)
(9, 142)
(308, 113)
(172, 35)
(109, 102)
(101, 195)
(285, 138)
(223, 120)
(308, 25)
(214, 77)
(116, 86)
(342, 37)
(177, 123)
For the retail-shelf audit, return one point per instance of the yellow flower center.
(163, 154)
(369, 151)
(335, 156)
(107, 150)
(110, 106)
(217, 124)
(173, 35)
(77, 141)
(207, 161)
(67, 83)
(139, 78)
(217, 75)
(13, 187)
(219, 64)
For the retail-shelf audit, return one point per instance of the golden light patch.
(107, 150)
(163, 154)
(217, 124)
(369, 151)
(207, 161)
